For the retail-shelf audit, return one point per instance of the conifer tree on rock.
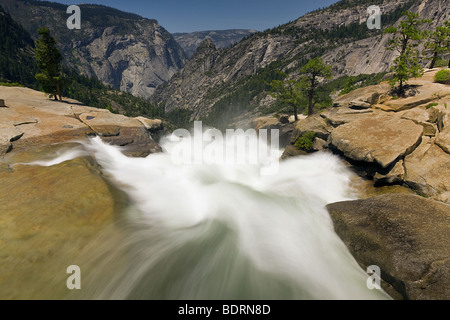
(406, 37)
(51, 79)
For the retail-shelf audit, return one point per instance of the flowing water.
(219, 230)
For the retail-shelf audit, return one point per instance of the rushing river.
(217, 230)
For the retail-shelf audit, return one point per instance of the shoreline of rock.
(31, 118)
(386, 141)
(393, 142)
(407, 236)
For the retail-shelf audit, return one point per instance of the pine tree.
(438, 43)
(406, 37)
(309, 83)
(51, 79)
(288, 93)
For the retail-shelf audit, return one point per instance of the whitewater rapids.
(220, 231)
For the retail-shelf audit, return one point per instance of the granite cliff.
(221, 38)
(124, 50)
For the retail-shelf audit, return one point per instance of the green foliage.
(405, 39)
(349, 86)
(93, 93)
(178, 118)
(354, 82)
(324, 100)
(11, 84)
(405, 66)
(306, 90)
(431, 105)
(51, 79)
(288, 93)
(442, 76)
(440, 62)
(17, 64)
(241, 97)
(306, 141)
(438, 43)
(18, 67)
(311, 74)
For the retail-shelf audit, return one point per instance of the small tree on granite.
(406, 37)
(311, 74)
(304, 91)
(51, 79)
(288, 93)
(438, 43)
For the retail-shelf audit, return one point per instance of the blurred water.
(221, 231)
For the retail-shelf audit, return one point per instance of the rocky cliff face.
(221, 38)
(123, 50)
(338, 33)
(370, 55)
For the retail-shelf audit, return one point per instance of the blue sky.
(198, 15)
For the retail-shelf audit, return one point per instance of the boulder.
(359, 105)
(299, 116)
(319, 144)
(136, 142)
(443, 140)
(2, 103)
(364, 97)
(427, 118)
(407, 236)
(152, 125)
(428, 169)
(265, 122)
(379, 139)
(420, 114)
(292, 151)
(285, 133)
(314, 123)
(340, 116)
(396, 175)
(442, 112)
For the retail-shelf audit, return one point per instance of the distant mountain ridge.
(226, 84)
(124, 50)
(221, 38)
